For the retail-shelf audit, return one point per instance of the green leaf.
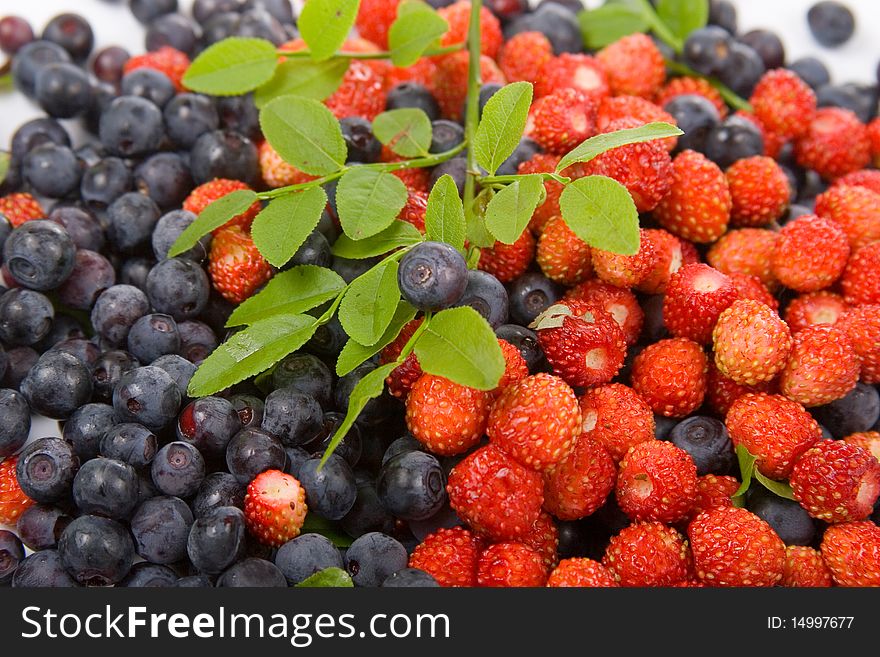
(608, 23)
(368, 201)
(324, 25)
(460, 345)
(683, 16)
(444, 216)
(594, 146)
(354, 353)
(477, 235)
(601, 212)
(5, 158)
(283, 225)
(415, 29)
(289, 292)
(329, 577)
(305, 133)
(315, 524)
(746, 469)
(398, 234)
(212, 217)
(779, 488)
(251, 351)
(510, 210)
(370, 303)
(303, 77)
(502, 124)
(405, 131)
(232, 66)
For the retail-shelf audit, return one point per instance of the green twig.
(735, 101)
(382, 54)
(506, 180)
(472, 115)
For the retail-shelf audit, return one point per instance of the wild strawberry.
(867, 440)
(734, 547)
(810, 254)
(19, 208)
(862, 326)
(13, 501)
(544, 163)
(563, 256)
(773, 142)
(758, 189)
(415, 179)
(536, 421)
(205, 194)
(647, 554)
(721, 391)
(668, 259)
(458, 16)
(494, 494)
(450, 556)
(861, 278)
(579, 484)
(814, 308)
(276, 172)
(166, 59)
(236, 266)
(745, 251)
(671, 376)
(422, 72)
(446, 417)
(784, 103)
(583, 343)
(543, 538)
(874, 138)
(634, 107)
(511, 565)
(823, 366)
(581, 572)
(362, 93)
(561, 120)
(275, 507)
(698, 204)
(855, 209)
(634, 65)
(836, 481)
(573, 71)
(625, 271)
(774, 429)
(404, 377)
(507, 262)
(836, 143)
(619, 302)
(867, 178)
(392, 350)
(851, 551)
(713, 492)
(695, 296)
(616, 417)
(751, 287)
(805, 567)
(374, 18)
(415, 210)
(523, 55)
(515, 367)
(751, 342)
(450, 81)
(656, 481)
(688, 86)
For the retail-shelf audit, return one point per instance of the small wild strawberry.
(855, 209)
(510, 565)
(580, 72)
(810, 254)
(852, 552)
(758, 189)
(671, 376)
(861, 277)
(446, 417)
(579, 484)
(784, 103)
(634, 65)
(695, 296)
(745, 251)
(814, 308)
(236, 266)
(581, 572)
(450, 556)
(275, 507)
(656, 481)
(563, 256)
(751, 342)
(617, 418)
(647, 554)
(836, 143)
(862, 326)
(823, 366)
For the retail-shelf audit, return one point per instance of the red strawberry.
(805, 567)
(494, 494)
(422, 72)
(166, 59)
(734, 547)
(862, 326)
(669, 256)
(836, 481)
(759, 191)
(634, 65)
(836, 143)
(237, 269)
(450, 556)
(855, 209)
(581, 572)
(810, 254)
(19, 208)
(861, 278)
(13, 501)
(275, 507)
(774, 429)
(634, 107)
(458, 16)
(507, 262)
(721, 391)
(544, 163)
(695, 296)
(276, 172)
(374, 18)
(617, 418)
(619, 302)
(867, 178)
(579, 484)
(511, 565)
(563, 256)
(415, 179)
(362, 93)
(523, 55)
(561, 120)
(446, 417)
(402, 379)
(450, 81)
(751, 342)
(874, 138)
(205, 194)
(823, 366)
(784, 103)
(543, 538)
(626, 270)
(698, 204)
(745, 251)
(415, 210)
(573, 71)
(814, 308)
(688, 86)
(751, 287)
(867, 440)
(656, 481)
(515, 367)
(852, 552)
(713, 492)
(647, 554)
(671, 376)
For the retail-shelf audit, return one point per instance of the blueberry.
(708, 443)
(485, 294)
(130, 443)
(86, 427)
(734, 139)
(39, 254)
(52, 170)
(86, 351)
(559, 24)
(40, 526)
(146, 11)
(165, 178)
(409, 578)
(104, 182)
(412, 486)
(252, 572)
(524, 339)
(280, 10)
(216, 490)
(252, 451)
(64, 329)
(723, 14)
(239, 114)
(787, 518)
(259, 23)
(697, 116)
(432, 276)
(208, 423)
(20, 361)
(706, 50)
(147, 395)
(224, 154)
(174, 30)
(194, 582)
(249, 409)
(812, 71)
(73, 33)
(374, 557)
(160, 527)
(857, 411)
(92, 274)
(445, 518)
(445, 135)
(351, 269)
(178, 287)
(116, 309)
(402, 445)
(217, 540)
(307, 374)
(107, 371)
(330, 491)
(134, 271)
(106, 487)
(188, 116)
(131, 126)
(525, 150)
(83, 227)
(63, 90)
(96, 551)
(742, 70)
(33, 58)
(152, 336)
(315, 250)
(295, 418)
(178, 469)
(145, 574)
(367, 514)
(169, 228)
(179, 369)
(359, 139)
(413, 95)
(15, 32)
(768, 45)
(11, 554)
(530, 295)
(306, 555)
(296, 456)
(42, 569)
(349, 448)
(107, 64)
(831, 23)
(15, 421)
(858, 98)
(131, 221)
(31, 134)
(197, 340)
(375, 411)
(456, 168)
(57, 385)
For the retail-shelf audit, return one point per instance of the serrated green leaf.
(328, 578)
(368, 201)
(354, 353)
(398, 234)
(212, 217)
(602, 213)
(779, 488)
(683, 16)
(289, 292)
(232, 66)
(315, 524)
(368, 306)
(305, 133)
(594, 146)
(610, 22)
(283, 225)
(303, 77)
(502, 124)
(406, 131)
(415, 29)
(251, 351)
(324, 25)
(510, 210)
(746, 469)
(444, 216)
(459, 344)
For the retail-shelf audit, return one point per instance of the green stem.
(414, 338)
(732, 99)
(472, 115)
(506, 180)
(383, 54)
